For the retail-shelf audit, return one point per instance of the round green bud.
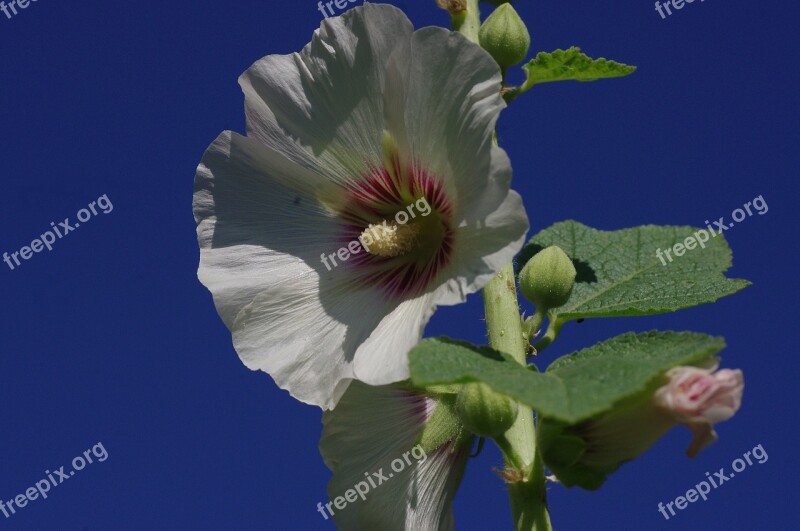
(547, 279)
(485, 412)
(504, 35)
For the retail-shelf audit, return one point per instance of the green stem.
(529, 500)
(553, 329)
(508, 451)
(468, 21)
(504, 326)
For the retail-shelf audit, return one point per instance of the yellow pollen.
(390, 239)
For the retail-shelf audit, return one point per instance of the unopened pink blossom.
(700, 398)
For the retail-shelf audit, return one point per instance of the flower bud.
(443, 426)
(485, 412)
(504, 35)
(547, 279)
(699, 398)
(585, 453)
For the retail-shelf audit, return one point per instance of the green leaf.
(619, 272)
(596, 378)
(575, 387)
(571, 64)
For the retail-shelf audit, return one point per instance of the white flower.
(370, 119)
(375, 433)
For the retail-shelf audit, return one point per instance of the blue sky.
(109, 338)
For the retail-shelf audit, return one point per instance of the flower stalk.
(525, 468)
(553, 329)
(526, 487)
(465, 18)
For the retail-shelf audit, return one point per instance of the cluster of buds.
(503, 34)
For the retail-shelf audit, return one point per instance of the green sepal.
(485, 412)
(585, 453)
(443, 426)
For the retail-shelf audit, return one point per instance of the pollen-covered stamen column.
(526, 487)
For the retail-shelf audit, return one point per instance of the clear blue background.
(111, 338)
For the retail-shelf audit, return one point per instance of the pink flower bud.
(699, 398)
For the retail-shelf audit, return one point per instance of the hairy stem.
(525, 470)
(524, 467)
(553, 329)
(467, 21)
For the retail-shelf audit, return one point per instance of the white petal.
(304, 334)
(443, 104)
(482, 249)
(260, 239)
(323, 106)
(383, 358)
(258, 223)
(371, 428)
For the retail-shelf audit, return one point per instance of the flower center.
(391, 240)
(401, 214)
